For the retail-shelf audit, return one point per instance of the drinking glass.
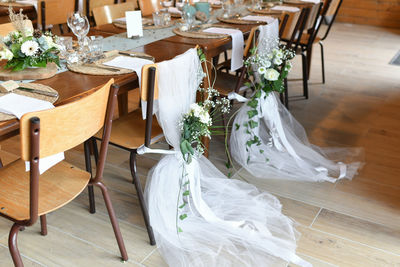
(187, 15)
(95, 47)
(79, 24)
(65, 43)
(158, 18)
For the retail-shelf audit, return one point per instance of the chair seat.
(129, 131)
(305, 37)
(57, 186)
(226, 83)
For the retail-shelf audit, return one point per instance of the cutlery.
(136, 55)
(38, 91)
(101, 67)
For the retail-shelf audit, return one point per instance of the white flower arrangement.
(25, 48)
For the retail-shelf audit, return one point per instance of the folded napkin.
(266, 19)
(18, 105)
(121, 20)
(286, 8)
(29, 2)
(311, 1)
(174, 10)
(237, 45)
(215, 2)
(167, 3)
(131, 63)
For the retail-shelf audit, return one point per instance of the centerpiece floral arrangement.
(25, 48)
(195, 125)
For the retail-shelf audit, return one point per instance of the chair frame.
(43, 16)
(324, 12)
(149, 88)
(34, 125)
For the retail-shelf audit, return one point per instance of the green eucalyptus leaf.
(183, 216)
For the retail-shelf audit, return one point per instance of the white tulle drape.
(285, 152)
(229, 223)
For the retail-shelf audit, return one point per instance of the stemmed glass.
(79, 24)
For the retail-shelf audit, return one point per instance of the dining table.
(72, 86)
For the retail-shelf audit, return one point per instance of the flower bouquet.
(24, 48)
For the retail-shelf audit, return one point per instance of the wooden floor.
(350, 223)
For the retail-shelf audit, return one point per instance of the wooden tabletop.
(72, 86)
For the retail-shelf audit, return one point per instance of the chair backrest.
(291, 21)
(91, 4)
(66, 126)
(331, 9)
(106, 14)
(6, 28)
(149, 93)
(149, 6)
(55, 12)
(297, 25)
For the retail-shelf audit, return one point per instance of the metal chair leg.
(305, 75)
(88, 164)
(113, 220)
(322, 61)
(43, 225)
(13, 246)
(139, 191)
(285, 83)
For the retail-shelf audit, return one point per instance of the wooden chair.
(24, 196)
(6, 28)
(92, 4)
(330, 9)
(106, 14)
(131, 131)
(149, 6)
(55, 12)
(304, 49)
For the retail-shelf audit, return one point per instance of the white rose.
(277, 61)
(266, 63)
(205, 117)
(29, 48)
(271, 75)
(6, 54)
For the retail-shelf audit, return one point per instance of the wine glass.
(79, 24)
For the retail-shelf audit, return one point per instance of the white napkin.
(29, 2)
(131, 63)
(266, 19)
(174, 10)
(286, 8)
(237, 45)
(311, 1)
(121, 20)
(18, 105)
(215, 2)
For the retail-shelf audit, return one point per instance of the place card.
(134, 27)
(8, 86)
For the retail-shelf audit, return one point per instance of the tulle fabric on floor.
(229, 222)
(285, 152)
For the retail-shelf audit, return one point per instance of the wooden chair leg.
(322, 61)
(139, 191)
(43, 225)
(113, 220)
(88, 164)
(305, 80)
(13, 246)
